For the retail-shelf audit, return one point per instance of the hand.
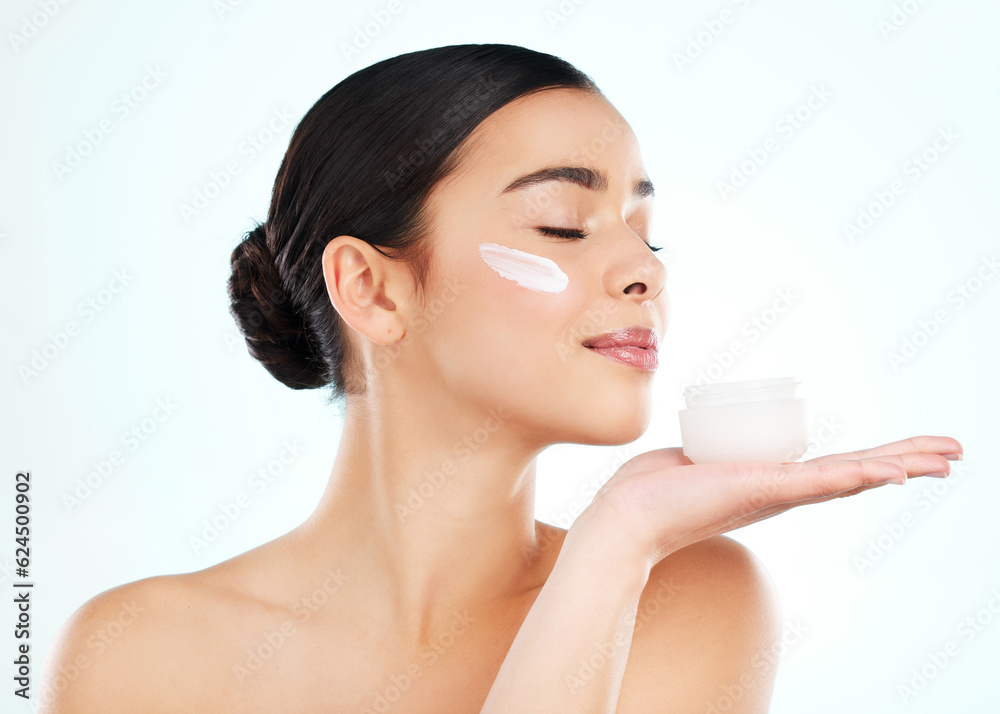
(659, 501)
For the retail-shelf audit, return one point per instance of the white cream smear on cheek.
(531, 271)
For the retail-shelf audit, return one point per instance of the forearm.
(571, 650)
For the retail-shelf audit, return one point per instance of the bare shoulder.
(707, 634)
(121, 650)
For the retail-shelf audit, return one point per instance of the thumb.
(655, 459)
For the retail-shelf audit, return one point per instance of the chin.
(624, 435)
(614, 429)
(627, 413)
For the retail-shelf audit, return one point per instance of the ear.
(366, 288)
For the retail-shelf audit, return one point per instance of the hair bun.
(275, 332)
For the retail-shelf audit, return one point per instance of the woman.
(450, 234)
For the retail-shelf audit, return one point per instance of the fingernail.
(900, 481)
(952, 457)
(937, 474)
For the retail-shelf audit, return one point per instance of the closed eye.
(577, 234)
(564, 232)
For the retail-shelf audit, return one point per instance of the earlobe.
(357, 279)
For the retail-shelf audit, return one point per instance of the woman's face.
(492, 340)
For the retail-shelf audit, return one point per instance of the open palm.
(661, 501)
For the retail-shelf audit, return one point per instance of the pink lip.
(635, 346)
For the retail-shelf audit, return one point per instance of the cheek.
(526, 293)
(504, 333)
(529, 271)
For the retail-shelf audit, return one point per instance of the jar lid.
(752, 390)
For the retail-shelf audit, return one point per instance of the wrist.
(609, 549)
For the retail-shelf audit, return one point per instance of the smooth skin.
(422, 581)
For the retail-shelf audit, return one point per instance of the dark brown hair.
(362, 162)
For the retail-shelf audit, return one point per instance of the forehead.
(548, 128)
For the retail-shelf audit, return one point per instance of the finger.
(649, 460)
(829, 497)
(770, 511)
(775, 484)
(915, 444)
(919, 464)
(670, 456)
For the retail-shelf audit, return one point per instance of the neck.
(432, 507)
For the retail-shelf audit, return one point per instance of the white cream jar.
(755, 420)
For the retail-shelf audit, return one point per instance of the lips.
(634, 346)
(642, 337)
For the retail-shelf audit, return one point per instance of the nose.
(636, 272)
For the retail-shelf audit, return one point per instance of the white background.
(870, 597)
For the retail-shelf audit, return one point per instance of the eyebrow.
(581, 175)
